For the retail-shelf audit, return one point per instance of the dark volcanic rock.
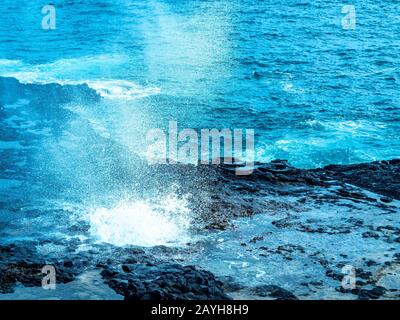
(372, 294)
(221, 195)
(164, 281)
(217, 196)
(21, 264)
(274, 292)
(382, 177)
(128, 271)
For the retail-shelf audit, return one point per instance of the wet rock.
(372, 294)
(274, 292)
(164, 282)
(222, 196)
(370, 234)
(129, 271)
(255, 239)
(382, 177)
(386, 199)
(334, 275)
(371, 263)
(126, 268)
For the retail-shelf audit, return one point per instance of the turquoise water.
(76, 104)
(314, 92)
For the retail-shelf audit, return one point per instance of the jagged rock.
(273, 292)
(374, 293)
(382, 177)
(163, 282)
(220, 197)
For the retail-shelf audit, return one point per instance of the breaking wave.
(56, 73)
(143, 223)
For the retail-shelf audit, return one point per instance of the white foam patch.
(7, 62)
(143, 223)
(121, 89)
(55, 72)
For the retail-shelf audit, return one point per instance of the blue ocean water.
(76, 103)
(314, 92)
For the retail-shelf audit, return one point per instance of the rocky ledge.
(221, 195)
(130, 272)
(363, 197)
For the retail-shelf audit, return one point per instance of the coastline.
(365, 198)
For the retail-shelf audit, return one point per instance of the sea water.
(76, 101)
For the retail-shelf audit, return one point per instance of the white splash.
(143, 223)
(121, 89)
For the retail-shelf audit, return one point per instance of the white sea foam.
(121, 89)
(74, 72)
(6, 62)
(143, 223)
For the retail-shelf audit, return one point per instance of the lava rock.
(274, 292)
(164, 281)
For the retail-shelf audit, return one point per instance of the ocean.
(77, 100)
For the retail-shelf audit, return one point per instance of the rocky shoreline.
(220, 198)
